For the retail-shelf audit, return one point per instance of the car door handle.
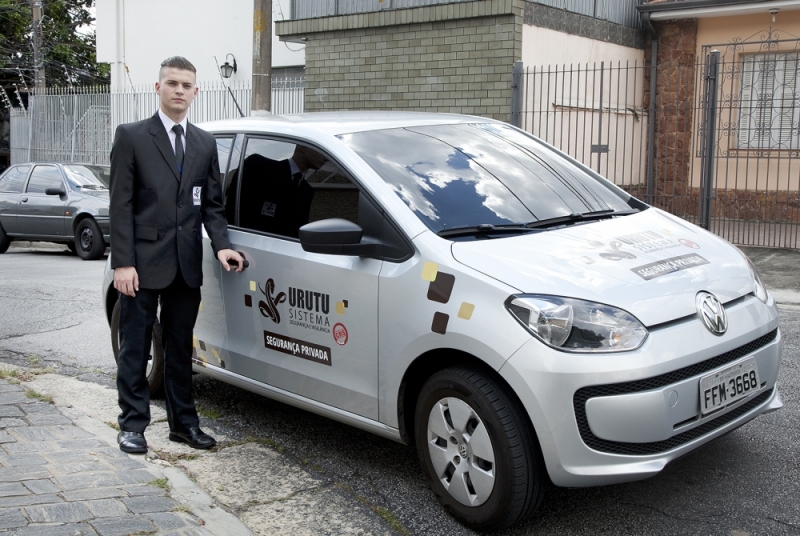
(245, 264)
(23, 200)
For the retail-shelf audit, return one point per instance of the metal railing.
(78, 124)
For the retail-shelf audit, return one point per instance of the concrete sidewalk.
(61, 472)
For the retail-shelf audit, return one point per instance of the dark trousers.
(179, 306)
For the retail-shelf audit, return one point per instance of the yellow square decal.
(194, 342)
(465, 311)
(201, 307)
(216, 354)
(252, 286)
(429, 271)
(339, 308)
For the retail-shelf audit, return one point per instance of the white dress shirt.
(168, 124)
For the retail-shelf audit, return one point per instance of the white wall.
(140, 34)
(541, 46)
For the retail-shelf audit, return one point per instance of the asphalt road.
(747, 482)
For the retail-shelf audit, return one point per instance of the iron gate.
(724, 149)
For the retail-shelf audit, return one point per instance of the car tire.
(89, 243)
(155, 365)
(5, 241)
(477, 450)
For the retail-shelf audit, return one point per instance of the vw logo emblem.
(462, 450)
(711, 312)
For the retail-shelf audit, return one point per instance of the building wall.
(447, 58)
(140, 34)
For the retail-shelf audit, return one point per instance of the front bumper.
(610, 418)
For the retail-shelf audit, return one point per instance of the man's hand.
(226, 256)
(126, 280)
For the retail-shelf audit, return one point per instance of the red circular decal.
(688, 243)
(340, 334)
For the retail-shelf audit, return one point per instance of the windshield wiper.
(579, 218)
(484, 229)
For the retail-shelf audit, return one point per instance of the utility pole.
(38, 60)
(262, 55)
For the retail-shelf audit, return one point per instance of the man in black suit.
(164, 186)
(275, 196)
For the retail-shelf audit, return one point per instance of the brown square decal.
(248, 300)
(440, 288)
(439, 324)
(202, 346)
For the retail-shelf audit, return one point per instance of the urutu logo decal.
(269, 308)
(309, 309)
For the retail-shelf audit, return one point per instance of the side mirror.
(336, 236)
(61, 192)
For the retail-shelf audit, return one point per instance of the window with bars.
(769, 112)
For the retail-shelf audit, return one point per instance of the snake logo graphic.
(270, 307)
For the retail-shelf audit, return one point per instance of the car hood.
(651, 264)
(100, 194)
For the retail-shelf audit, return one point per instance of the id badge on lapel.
(197, 195)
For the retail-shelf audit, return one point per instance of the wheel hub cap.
(461, 451)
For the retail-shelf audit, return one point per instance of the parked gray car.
(66, 203)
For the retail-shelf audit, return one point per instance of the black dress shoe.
(132, 442)
(194, 437)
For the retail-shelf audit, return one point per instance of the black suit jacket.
(155, 223)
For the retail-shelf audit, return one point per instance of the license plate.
(728, 385)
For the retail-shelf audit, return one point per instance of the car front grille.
(662, 380)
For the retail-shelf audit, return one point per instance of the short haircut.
(176, 62)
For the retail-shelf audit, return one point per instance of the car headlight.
(574, 325)
(760, 289)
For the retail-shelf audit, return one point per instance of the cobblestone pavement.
(59, 478)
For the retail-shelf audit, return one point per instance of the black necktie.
(296, 178)
(178, 130)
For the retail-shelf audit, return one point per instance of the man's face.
(177, 90)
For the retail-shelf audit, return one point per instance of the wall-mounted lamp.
(226, 69)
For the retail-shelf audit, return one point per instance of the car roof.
(336, 123)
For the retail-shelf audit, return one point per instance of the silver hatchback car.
(453, 283)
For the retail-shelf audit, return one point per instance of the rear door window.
(13, 181)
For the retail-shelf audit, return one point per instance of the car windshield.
(484, 177)
(88, 177)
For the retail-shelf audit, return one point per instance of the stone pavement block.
(167, 521)
(89, 480)
(137, 476)
(147, 505)
(29, 500)
(9, 422)
(59, 513)
(5, 437)
(15, 397)
(21, 448)
(70, 457)
(79, 467)
(17, 460)
(126, 463)
(11, 489)
(35, 433)
(80, 444)
(123, 526)
(110, 452)
(11, 518)
(41, 408)
(70, 431)
(6, 387)
(144, 490)
(92, 494)
(69, 529)
(11, 411)
(48, 419)
(41, 487)
(107, 508)
(27, 472)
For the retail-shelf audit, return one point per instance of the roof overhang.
(698, 9)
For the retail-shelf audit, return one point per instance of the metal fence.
(78, 124)
(747, 138)
(618, 11)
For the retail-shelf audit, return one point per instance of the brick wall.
(449, 58)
